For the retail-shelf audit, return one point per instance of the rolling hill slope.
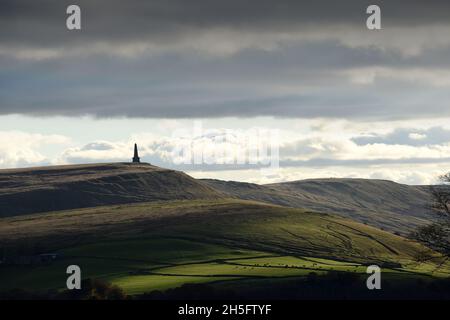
(248, 224)
(32, 190)
(165, 244)
(383, 204)
(146, 228)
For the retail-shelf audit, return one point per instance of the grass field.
(161, 245)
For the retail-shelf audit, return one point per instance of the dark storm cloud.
(209, 58)
(28, 21)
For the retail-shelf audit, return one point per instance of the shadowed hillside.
(43, 189)
(164, 244)
(384, 204)
(244, 224)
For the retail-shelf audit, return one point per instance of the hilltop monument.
(136, 158)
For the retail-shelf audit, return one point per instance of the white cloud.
(345, 149)
(308, 149)
(417, 136)
(19, 148)
(421, 174)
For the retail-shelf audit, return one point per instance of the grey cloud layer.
(412, 137)
(39, 21)
(225, 58)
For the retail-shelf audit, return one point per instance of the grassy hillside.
(31, 190)
(146, 228)
(161, 245)
(383, 204)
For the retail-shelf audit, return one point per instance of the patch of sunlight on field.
(432, 269)
(304, 262)
(219, 269)
(146, 283)
(331, 262)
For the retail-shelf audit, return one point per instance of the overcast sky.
(346, 101)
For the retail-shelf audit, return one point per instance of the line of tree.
(437, 234)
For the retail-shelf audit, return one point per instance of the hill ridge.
(384, 204)
(26, 191)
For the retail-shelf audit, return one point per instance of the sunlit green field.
(140, 266)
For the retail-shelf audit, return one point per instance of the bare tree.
(441, 196)
(437, 235)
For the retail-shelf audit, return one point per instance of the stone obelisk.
(136, 158)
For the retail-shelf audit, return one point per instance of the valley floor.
(228, 244)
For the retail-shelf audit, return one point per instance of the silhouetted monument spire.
(136, 158)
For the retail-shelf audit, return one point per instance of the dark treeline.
(334, 285)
